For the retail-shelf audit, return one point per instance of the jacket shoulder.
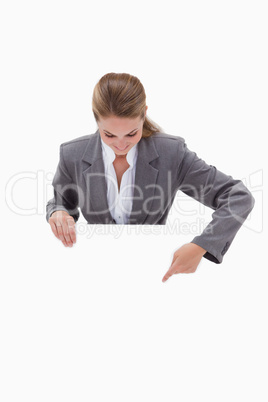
(75, 148)
(168, 141)
(169, 138)
(76, 142)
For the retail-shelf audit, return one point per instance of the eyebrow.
(125, 135)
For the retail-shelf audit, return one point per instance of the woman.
(129, 170)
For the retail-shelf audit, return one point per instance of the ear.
(145, 112)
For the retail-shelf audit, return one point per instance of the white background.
(95, 322)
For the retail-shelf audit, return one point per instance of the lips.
(121, 149)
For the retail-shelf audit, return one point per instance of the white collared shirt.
(120, 203)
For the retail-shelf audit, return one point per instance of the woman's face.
(121, 134)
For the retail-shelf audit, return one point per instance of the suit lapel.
(96, 185)
(145, 180)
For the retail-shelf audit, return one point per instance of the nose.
(121, 144)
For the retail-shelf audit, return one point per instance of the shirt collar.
(110, 154)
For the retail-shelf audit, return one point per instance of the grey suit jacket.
(164, 166)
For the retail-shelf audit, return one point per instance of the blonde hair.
(122, 95)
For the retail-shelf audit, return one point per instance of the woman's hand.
(63, 227)
(185, 260)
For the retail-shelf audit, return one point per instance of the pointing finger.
(167, 275)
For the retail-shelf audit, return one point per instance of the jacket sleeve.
(65, 192)
(229, 198)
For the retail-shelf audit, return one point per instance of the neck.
(121, 157)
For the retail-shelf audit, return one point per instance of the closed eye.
(129, 135)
